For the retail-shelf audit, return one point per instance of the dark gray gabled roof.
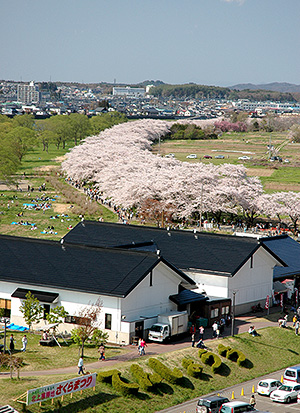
(288, 250)
(223, 254)
(50, 264)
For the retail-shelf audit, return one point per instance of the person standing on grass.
(24, 342)
(11, 343)
(80, 366)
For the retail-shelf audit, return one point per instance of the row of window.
(214, 313)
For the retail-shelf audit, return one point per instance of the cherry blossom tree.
(119, 161)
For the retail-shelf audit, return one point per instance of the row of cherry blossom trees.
(120, 163)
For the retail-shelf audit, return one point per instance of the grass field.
(274, 349)
(64, 208)
(274, 175)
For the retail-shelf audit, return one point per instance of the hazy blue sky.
(213, 42)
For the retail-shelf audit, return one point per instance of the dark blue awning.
(187, 297)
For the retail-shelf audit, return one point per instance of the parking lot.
(262, 403)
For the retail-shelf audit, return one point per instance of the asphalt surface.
(262, 402)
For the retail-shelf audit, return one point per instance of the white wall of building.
(146, 300)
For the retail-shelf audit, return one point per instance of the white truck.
(169, 325)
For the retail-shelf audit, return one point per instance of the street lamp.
(233, 312)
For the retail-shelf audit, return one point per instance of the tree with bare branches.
(88, 320)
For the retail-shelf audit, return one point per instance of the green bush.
(145, 380)
(222, 350)
(193, 369)
(154, 378)
(186, 362)
(201, 351)
(106, 376)
(241, 361)
(232, 354)
(171, 376)
(126, 389)
(212, 360)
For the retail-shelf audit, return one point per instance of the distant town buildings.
(46, 99)
(28, 93)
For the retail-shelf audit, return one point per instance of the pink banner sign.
(267, 302)
(61, 389)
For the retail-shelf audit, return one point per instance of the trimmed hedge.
(106, 376)
(211, 359)
(145, 380)
(232, 354)
(222, 350)
(193, 369)
(171, 376)
(126, 389)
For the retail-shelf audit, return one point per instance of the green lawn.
(274, 349)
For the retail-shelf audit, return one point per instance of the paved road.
(262, 403)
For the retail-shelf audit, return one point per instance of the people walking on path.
(142, 347)
(80, 366)
(201, 332)
(193, 340)
(24, 342)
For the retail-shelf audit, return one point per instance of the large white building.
(28, 93)
(134, 92)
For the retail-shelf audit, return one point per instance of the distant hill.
(275, 87)
(193, 91)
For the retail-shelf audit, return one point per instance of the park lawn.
(39, 357)
(37, 158)
(274, 349)
(42, 219)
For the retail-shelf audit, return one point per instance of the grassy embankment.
(274, 349)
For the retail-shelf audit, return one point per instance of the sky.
(210, 42)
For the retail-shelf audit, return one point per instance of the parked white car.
(285, 393)
(192, 156)
(266, 386)
(244, 158)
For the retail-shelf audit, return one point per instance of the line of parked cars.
(284, 392)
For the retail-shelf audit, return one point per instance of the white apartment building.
(28, 93)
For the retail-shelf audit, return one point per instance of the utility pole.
(201, 205)
(233, 312)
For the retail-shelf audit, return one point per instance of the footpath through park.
(241, 325)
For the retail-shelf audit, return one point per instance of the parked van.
(292, 374)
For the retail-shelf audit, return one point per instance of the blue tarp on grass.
(13, 326)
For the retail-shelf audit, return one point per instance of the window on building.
(71, 319)
(5, 306)
(225, 310)
(108, 321)
(214, 312)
